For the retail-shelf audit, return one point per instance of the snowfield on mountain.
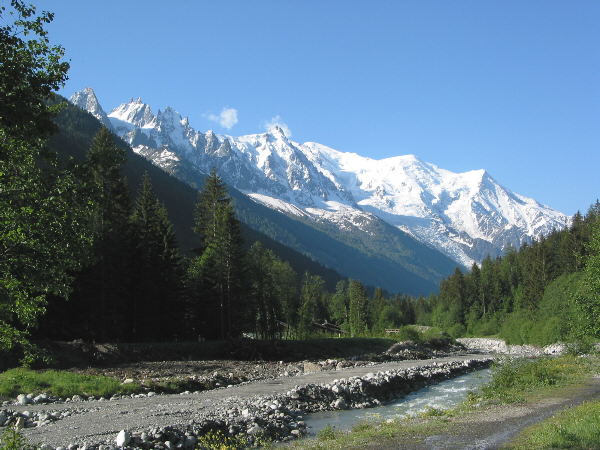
(466, 216)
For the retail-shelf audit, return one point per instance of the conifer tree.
(358, 308)
(104, 287)
(267, 307)
(155, 304)
(222, 246)
(588, 297)
(211, 197)
(312, 291)
(286, 292)
(340, 305)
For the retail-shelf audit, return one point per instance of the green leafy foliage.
(31, 69)
(41, 207)
(588, 298)
(13, 439)
(327, 433)
(217, 440)
(358, 308)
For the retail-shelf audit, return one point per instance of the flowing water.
(443, 395)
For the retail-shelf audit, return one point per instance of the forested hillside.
(416, 271)
(73, 137)
(542, 293)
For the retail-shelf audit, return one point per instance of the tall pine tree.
(104, 287)
(155, 308)
(358, 308)
(221, 263)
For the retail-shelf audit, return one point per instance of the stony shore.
(490, 345)
(277, 416)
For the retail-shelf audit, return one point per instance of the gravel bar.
(271, 408)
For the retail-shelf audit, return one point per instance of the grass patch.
(60, 383)
(327, 433)
(373, 434)
(577, 427)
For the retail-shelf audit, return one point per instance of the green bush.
(457, 330)
(487, 326)
(217, 440)
(408, 333)
(516, 327)
(514, 378)
(12, 439)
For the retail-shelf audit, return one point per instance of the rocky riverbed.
(491, 345)
(167, 377)
(268, 408)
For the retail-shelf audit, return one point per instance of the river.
(443, 395)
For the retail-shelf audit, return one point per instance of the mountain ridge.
(395, 271)
(465, 215)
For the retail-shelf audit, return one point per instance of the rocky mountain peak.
(465, 215)
(86, 99)
(135, 112)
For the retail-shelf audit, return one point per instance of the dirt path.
(97, 421)
(495, 427)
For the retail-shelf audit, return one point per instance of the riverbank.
(269, 408)
(121, 371)
(521, 395)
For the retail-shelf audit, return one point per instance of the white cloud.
(277, 122)
(227, 118)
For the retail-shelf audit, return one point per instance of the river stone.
(310, 367)
(255, 429)
(190, 442)
(123, 438)
(22, 399)
(339, 403)
(42, 398)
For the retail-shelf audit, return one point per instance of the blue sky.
(512, 86)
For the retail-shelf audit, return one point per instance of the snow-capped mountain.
(86, 99)
(464, 215)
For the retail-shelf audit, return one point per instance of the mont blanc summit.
(466, 216)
